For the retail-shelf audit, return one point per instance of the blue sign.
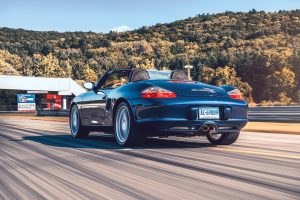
(26, 98)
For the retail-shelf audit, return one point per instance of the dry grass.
(34, 117)
(271, 127)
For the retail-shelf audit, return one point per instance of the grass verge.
(273, 127)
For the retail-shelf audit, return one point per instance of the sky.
(119, 15)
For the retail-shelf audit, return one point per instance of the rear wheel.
(126, 133)
(222, 139)
(77, 130)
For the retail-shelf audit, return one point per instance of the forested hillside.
(258, 52)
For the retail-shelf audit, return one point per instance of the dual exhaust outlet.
(207, 128)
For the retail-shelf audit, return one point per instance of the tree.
(228, 76)
(206, 74)
(281, 83)
(257, 46)
(89, 74)
(7, 69)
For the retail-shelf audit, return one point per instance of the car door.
(94, 102)
(93, 107)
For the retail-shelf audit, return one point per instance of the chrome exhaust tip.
(211, 127)
(204, 128)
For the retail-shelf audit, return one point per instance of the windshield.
(116, 79)
(155, 74)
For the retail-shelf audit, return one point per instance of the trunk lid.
(189, 88)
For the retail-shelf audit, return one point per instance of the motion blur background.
(253, 45)
(49, 48)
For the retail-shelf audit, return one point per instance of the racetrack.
(40, 160)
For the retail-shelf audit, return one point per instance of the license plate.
(209, 113)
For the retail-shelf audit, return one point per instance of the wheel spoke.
(74, 121)
(122, 124)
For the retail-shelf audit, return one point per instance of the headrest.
(139, 74)
(179, 75)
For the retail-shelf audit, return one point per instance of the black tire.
(132, 137)
(80, 131)
(225, 139)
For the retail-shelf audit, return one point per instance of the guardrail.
(270, 113)
(53, 113)
(275, 113)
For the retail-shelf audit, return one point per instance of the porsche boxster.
(136, 103)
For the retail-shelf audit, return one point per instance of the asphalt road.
(40, 160)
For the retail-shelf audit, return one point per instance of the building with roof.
(64, 87)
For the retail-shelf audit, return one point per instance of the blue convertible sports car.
(138, 103)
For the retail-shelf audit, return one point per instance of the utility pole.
(189, 67)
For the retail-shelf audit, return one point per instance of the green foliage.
(226, 76)
(281, 82)
(261, 49)
(11, 97)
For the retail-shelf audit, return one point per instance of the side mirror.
(88, 85)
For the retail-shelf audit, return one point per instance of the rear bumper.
(179, 116)
(173, 127)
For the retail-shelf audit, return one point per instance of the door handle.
(101, 93)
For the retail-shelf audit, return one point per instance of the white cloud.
(122, 28)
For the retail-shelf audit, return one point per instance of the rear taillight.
(235, 94)
(157, 92)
